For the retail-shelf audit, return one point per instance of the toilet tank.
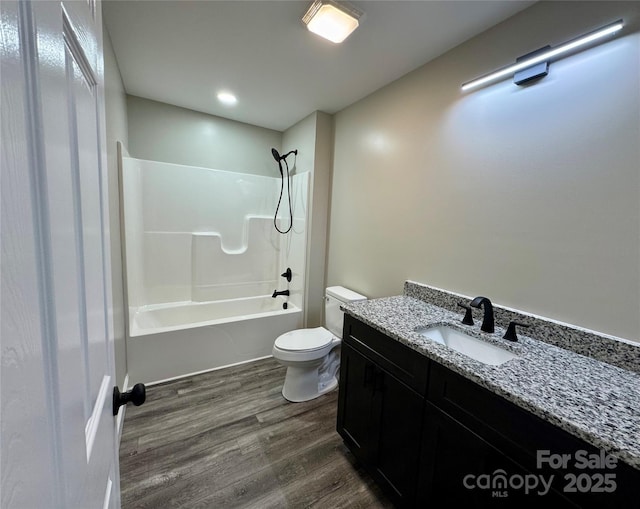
(335, 296)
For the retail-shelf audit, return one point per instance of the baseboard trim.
(158, 382)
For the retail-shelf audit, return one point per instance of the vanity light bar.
(545, 56)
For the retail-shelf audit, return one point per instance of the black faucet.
(283, 292)
(487, 321)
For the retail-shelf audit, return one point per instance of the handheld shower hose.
(276, 155)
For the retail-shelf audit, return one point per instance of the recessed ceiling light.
(227, 98)
(331, 20)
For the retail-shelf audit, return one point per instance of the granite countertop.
(591, 399)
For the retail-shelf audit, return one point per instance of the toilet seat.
(304, 340)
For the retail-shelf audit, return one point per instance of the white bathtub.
(181, 338)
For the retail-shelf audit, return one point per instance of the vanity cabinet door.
(398, 437)
(355, 403)
(459, 467)
(380, 420)
(519, 435)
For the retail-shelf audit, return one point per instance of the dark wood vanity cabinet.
(472, 437)
(427, 435)
(379, 412)
(449, 452)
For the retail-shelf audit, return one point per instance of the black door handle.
(137, 395)
(378, 381)
(369, 375)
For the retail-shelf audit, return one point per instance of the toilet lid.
(304, 339)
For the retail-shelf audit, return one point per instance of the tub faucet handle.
(287, 274)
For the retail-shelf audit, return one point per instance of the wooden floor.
(229, 439)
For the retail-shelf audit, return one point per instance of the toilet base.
(309, 378)
(301, 385)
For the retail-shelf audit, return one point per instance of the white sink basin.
(467, 345)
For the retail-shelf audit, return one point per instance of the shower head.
(276, 155)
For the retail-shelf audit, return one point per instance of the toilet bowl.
(312, 356)
(303, 352)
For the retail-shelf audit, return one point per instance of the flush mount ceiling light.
(331, 20)
(227, 98)
(536, 64)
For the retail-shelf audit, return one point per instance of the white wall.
(117, 130)
(528, 195)
(162, 132)
(313, 138)
(197, 234)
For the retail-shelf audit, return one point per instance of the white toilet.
(312, 356)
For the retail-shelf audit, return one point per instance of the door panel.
(53, 202)
(86, 200)
(83, 103)
(25, 437)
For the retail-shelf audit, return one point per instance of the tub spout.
(283, 292)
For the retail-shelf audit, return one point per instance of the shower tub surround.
(202, 259)
(591, 398)
(190, 337)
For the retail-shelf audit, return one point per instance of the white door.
(58, 431)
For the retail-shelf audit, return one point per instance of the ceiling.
(183, 52)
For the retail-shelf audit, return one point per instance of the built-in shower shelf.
(254, 228)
